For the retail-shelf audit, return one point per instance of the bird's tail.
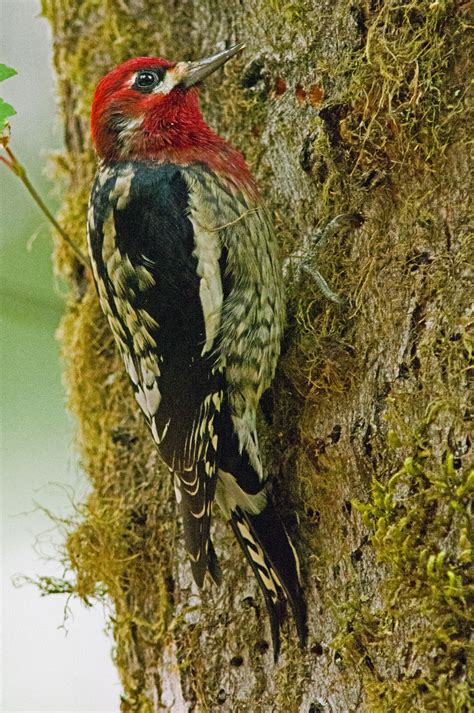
(274, 561)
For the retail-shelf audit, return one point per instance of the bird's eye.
(146, 80)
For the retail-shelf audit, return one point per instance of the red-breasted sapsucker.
(186, 267)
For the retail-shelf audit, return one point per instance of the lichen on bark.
(338, 107)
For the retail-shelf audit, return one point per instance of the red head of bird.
(147, 109)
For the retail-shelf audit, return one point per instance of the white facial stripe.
(168, 83)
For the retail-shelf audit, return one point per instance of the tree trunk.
(338, 107)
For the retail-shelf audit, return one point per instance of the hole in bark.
(403, 371)
(461, 665)
(248, 602)
(122, 435)
(252, 74)
(306, 159)
(236, 661)
(415, 364)
(358, 424)
(416, 327)
(356, 556)
(170, 585)
(221, 696)
(418, 260)
(138, 518)
(373, 179)
(80, 281)
(347, 507)
(317, 649)
(459, 450)
(335, 434)
(313, 514)
(358, 19)
(262, 646)
(366, 441)
(322, 171)
(332, 117)
(315, 708)
(368, 663)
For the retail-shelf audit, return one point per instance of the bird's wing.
(253, 307)
(247, 349)
(158, 276)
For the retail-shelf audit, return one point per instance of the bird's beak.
(194, 72)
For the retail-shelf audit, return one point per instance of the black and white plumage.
(196, 308)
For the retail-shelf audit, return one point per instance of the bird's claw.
(343, 220)
(323, 285)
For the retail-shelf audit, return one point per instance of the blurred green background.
(42, 668)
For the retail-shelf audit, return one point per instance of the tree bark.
(338, 107)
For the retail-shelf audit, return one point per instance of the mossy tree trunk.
(338, 107)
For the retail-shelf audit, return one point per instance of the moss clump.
(422, 535)
(119, 543)
(401, 109)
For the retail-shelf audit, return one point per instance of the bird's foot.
(303, 260)
(343, 220)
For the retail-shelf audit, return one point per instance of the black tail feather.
(273, 538)
(213, 564)
(195, 491)
(273, 607)
(270, 553)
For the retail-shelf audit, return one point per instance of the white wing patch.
(154, 431)
(121, 189)
(207, 251)
(153, 398)
(141, 400)
(147, 391)
(130, 367)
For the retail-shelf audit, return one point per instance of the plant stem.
(19, 170)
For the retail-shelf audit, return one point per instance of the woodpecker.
(185, 262)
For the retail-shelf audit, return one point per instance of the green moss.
(421, 534)
(402, 111)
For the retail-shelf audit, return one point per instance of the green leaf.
(6, 72)
(6, 110)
